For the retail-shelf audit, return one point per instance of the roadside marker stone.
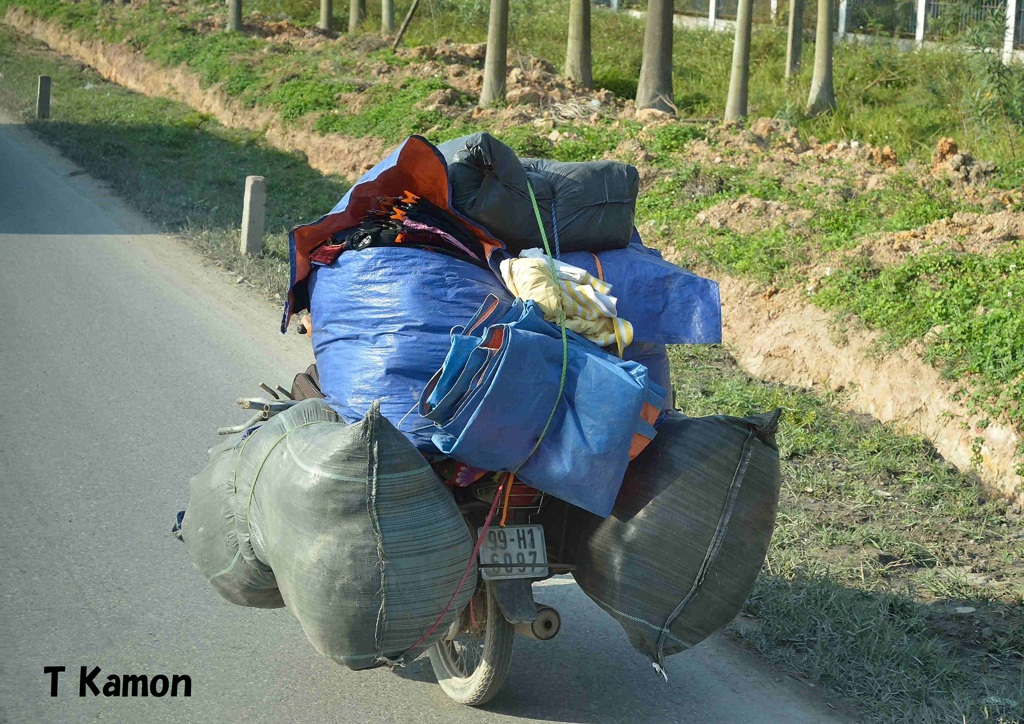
(43, 98)
(253, 214)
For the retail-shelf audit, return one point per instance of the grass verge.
(890, 581)
(886, 96)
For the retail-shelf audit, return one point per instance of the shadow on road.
(181, 174)
(591, 673)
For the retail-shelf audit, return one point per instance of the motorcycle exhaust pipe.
(543, 628)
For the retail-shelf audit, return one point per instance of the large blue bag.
(655, 358)
(493, 398)
(665, 303)
(382, 320)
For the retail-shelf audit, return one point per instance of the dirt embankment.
(335, 154)
(784, 338)
(778, 336)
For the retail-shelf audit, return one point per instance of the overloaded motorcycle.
(518, 533)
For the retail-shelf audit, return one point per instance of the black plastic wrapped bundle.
(689, 532)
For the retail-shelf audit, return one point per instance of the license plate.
(515, 551)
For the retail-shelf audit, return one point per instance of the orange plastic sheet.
(416, 166)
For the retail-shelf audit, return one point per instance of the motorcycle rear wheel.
(473, 658)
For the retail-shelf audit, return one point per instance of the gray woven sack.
(367, 544)
(686, 540)
(209, 533)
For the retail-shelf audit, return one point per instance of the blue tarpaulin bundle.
(387, 317)
(493, 399)
(665, 303)
(382, 320)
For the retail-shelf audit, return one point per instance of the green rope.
(561, 326)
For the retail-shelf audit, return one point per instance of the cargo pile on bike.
(492, 329)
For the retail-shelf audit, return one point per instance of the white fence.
(909, 22)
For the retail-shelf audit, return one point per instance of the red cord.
(469, 567)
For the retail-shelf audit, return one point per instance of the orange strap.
(600, 269)
(508, 496)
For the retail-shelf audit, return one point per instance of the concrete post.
(774, 10)
(1011, 31)
(713, 14)
(922, 13)
(615, 5)
(842, 18)
(387, 17)
(326, 16)
(43, 98)
(253, 214)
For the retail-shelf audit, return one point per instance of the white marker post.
(713, 14)
(43, 98)
(842, 19)
(253, 214)
(1011, 31)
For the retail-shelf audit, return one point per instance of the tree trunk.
(326, 15)
(577, 55)
(387, 17)
(497, 50)
(234, 15)
(739, 81)
(795, 41)
(405, 24)
(823, 95)
(356, 13)
(655, 87)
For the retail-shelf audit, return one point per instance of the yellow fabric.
(583, 298)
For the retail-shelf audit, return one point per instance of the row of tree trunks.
(822, 97)
(654, 89)
(357, 11)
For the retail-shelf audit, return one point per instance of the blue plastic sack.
(382, 323)
(666, 304)
(493, 396)
(655, 358)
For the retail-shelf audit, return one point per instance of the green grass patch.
(968, 305)
(388, 112)
(300, 96)
(902, 205)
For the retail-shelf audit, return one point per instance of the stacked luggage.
(504, 314)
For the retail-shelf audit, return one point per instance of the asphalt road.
(120, 353)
